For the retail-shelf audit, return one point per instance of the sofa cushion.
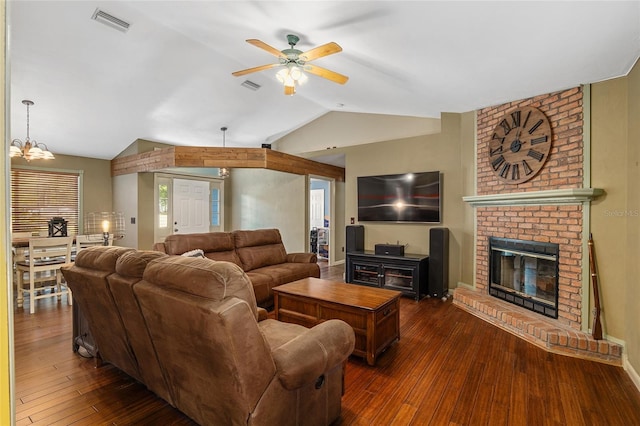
(100, 257)
(215, 245)
(202, 277)
(133, 263)
(288, 272)
(258, 248)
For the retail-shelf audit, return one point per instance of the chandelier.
(29, 150)
(224, 172)
(291, 76)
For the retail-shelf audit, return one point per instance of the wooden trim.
(145, 162)
(240, 158)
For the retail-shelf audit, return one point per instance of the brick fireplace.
(550, 209)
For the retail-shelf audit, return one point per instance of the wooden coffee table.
(373, 313)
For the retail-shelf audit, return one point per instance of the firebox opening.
(525, 273)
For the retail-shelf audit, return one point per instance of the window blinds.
(37, 196)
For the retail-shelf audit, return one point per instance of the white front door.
(190, 206)
(316, 208)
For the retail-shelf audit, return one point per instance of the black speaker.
(389, 249)
(355, 238)
(438, 262)
(266, 145)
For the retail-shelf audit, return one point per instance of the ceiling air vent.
(110, 20)
(250, 85)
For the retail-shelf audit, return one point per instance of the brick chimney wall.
(561, 224)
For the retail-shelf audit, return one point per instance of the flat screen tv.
(408, 197)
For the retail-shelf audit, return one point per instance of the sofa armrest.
(302, 258)
(159, 247)
(262, 314)
(307, 357)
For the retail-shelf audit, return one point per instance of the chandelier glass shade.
(290, 77)
(224, 172)
(29, 149)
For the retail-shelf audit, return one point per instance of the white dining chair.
(41, 267)
(89, 240)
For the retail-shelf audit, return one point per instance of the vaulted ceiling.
(168, 78)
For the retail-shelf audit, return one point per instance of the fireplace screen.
(525, 273)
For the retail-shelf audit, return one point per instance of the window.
(215, 207)
(37, 196)
(163, 205)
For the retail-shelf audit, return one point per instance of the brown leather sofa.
(260, 253)
(190, 330)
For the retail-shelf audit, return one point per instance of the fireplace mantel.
(554, 196)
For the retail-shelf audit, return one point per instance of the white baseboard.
(338, 262)
(633, 374)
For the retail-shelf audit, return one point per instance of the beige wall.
(341, 129)
(270, 199)
(125, 200)
(632, 301)
(468, 171)
(146, 211)
(608, 220)
(615, 217)
(339, 235)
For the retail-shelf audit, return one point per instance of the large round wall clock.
(520, 145)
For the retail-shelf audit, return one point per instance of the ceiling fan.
(295, 62)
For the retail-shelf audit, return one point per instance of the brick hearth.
(545, 333)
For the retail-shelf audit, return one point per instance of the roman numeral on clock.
(497, 162)
(527, 169)
(535, 126)
(515, 172)
(495, 151)
(496, 137)
(526, 119)
(541, 139)
(504, 172)
(515, 116)
(535, 154)
(505, 126)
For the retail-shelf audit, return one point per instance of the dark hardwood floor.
(449, 368)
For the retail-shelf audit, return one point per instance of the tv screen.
(409, 197)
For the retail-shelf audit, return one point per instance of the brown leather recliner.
(87, 279)
(190, 329)
(223, 366)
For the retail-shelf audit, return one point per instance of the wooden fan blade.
(325, 73)
(289, 90)
(254, 69)
(264, 46)
(320, 51)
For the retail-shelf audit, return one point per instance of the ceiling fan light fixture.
(295, 63)
(224, 172)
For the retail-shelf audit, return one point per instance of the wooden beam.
(145, 162)
(235, 158)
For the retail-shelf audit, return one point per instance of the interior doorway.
(320, 217)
